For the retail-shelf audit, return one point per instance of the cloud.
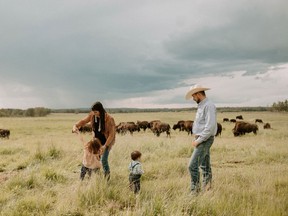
(137, 54)
(257, 34)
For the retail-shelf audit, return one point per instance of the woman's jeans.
(104, 160)
(201, 158)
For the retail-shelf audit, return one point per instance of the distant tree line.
(280, 106)
(30, 112)
(41, 111)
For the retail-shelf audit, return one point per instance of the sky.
(142, 54)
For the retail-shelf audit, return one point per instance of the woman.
(103, 127)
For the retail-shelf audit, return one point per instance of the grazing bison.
(124, 127)
(225, 120)
(188, 125)
(258, 120)
(132, 127)
(120, 128)
(160, 127)
(151, 123)
(233, 120)
(143, 125)
(239, 117)
(4, 133)
(179, 125)
(219, 129)
(241, 128)
(267, 126)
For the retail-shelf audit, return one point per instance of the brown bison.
(267, 126)
(132, 127)
(239, 117)
(219, 129)
(120, 128)
(160, 127)
(143, 125)
(233, 120)
(241, 128)
(4, 133)
(258, 120)
(124, 127)
(225, 120)
(151, 123)
(188, 125)
(179, 125)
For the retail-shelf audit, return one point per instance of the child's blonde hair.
(94, 146)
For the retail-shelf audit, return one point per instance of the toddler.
(91, 157)
(136, 171)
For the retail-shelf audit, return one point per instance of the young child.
(91, 157)
(136, 171)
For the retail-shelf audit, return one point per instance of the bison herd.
(241, 127)
(157, 127)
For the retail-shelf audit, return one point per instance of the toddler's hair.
(94, 145)
(135, 155)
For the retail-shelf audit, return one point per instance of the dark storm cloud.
(255, 36)
(67, 53)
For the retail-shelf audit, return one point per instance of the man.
(204, 128)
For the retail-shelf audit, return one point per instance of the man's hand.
(195, 144)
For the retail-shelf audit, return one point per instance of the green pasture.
(40, 166)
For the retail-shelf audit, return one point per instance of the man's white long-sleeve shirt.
(205, 123)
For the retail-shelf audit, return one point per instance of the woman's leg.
(105, 164)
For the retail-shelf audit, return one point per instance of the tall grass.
(40, 169)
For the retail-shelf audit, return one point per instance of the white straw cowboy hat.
(194, 89)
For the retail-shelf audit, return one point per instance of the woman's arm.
(111, 131)
(82, 122)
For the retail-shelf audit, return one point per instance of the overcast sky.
(142, 54)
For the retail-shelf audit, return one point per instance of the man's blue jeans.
(104, 160)
(201, 158)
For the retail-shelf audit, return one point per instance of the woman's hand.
(75, 129)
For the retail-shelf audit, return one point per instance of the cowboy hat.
(194, 89)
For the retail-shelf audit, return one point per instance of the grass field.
(40, 165)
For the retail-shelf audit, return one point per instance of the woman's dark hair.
(94, 146)
(135, 155)
(97, 106)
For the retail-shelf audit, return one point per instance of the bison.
(124, 127)
(120, 128)
(4, 133)
(151, 123)
(188, 125)
(233, 120)
(160, 127)
(179, 125)
(241, 128)
(225, 119)
(258, 120)
(267, 126)
(132, 127)
(239, 117)
(219, 129)
(143, 125)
